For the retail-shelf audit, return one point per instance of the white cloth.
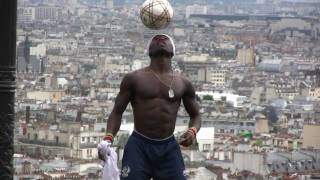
(110, 168)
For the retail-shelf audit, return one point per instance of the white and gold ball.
(156, 14)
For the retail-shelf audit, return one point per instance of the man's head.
(161, 45)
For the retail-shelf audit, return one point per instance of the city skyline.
(255, 66)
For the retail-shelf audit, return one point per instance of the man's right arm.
(121, 102)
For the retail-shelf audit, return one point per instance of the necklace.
(171, 91)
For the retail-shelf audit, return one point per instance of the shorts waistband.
(135, 133)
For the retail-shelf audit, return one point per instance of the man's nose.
(162, 44)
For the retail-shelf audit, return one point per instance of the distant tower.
(252, 46)
(26, 52)
(314, 31)
(317, 72)
(42, 65)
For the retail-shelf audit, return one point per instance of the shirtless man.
(155, 93)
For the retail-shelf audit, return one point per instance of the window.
(57, 139)
(89, 152)
(206, 147)
(250, 124)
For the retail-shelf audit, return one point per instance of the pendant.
(171, 93)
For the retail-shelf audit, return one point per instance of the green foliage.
(258, 142)
(208, 97)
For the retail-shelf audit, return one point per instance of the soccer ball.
(156, 14)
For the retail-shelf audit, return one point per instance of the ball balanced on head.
(156, 14)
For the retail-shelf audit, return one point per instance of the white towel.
(110, 168)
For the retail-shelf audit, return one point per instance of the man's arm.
(114, 120)
(121, 102)
(192, 108)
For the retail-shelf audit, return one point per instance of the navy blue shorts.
(144, 158)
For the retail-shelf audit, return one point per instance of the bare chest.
(165, 87)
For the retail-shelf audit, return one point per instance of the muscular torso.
(154, 112)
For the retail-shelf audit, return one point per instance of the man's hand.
(186, 139)
(104, 149)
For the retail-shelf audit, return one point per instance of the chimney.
(79, 114)
(27, 114)
(24, 128)
(78, 118)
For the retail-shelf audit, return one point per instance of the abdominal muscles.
(155, 117)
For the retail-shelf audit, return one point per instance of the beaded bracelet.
(193, 131)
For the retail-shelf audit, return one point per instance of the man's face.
(161, 47)
(161, 54)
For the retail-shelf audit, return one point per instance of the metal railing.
(43, 142)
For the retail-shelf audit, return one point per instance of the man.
(155, 93)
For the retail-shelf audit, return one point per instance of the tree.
(208, 97)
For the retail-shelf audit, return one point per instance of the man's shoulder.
(131, 76)
(140, 71)
(136, 72)
(183, 77)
